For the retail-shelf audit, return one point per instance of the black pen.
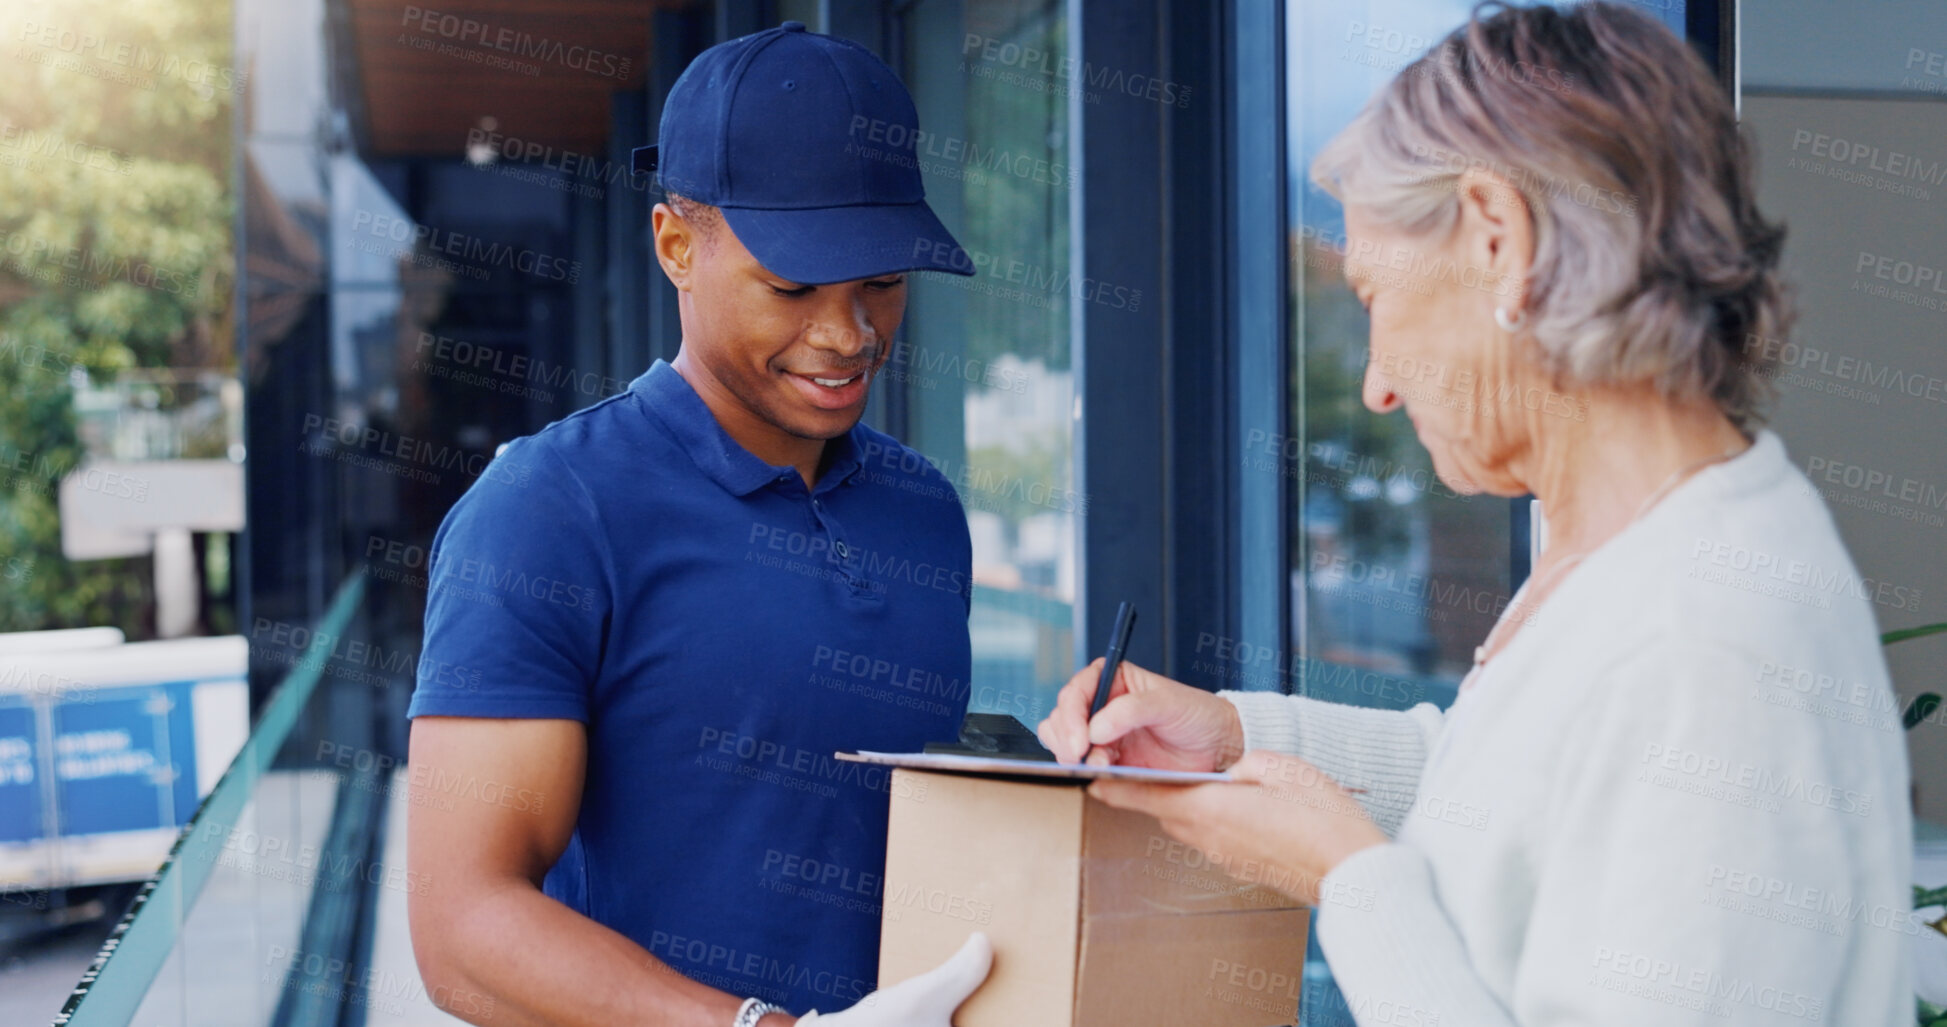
(1125, 621)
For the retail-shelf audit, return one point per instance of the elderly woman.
(1630, 814)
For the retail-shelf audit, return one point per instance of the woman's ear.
(676, 245)
(1497, 232)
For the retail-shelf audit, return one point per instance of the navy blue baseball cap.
(806, 142)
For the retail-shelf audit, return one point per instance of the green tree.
(115, 253)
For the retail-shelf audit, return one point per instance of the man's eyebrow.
(765, 274)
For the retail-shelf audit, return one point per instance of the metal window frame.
(1260, 311)
(1167, 390)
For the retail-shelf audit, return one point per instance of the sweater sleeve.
(1678, 801)
(1380, 751)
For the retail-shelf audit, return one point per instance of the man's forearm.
(510, 956)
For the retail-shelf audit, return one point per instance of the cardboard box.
(1098, 918)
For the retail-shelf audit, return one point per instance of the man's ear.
(676, 248)
(1498, 229)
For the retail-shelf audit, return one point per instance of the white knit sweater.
(1678, 796)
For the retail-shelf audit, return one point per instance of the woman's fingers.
(1120, 794)
(1139, 700)
(1292, 779)
(1065, 731)
(1260, 765)
(1157, 800)
(1127, 713)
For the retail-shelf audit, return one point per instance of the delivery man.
(689, 595)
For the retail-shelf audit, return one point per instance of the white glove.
(925, 1001)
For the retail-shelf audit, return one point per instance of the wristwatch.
(753, 1010)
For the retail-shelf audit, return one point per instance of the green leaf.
(1905, 633)
(1920, 709)
(1924, 897)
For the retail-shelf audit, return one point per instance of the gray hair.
(1652, 261)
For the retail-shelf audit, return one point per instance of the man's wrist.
(755, 1012)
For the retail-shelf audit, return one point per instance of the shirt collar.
(670, 399)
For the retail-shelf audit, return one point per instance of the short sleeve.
(518, 595)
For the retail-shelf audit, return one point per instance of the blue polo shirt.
(721, 630)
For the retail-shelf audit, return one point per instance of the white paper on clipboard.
(954, 763)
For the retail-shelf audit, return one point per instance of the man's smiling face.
(798, 357)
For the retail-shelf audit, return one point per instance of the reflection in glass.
(985, 362)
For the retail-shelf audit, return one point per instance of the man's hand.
(924, 1001)
(1150, 721)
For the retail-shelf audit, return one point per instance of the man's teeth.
(833, 383)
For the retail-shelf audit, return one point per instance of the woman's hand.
(1150, 721)
(1283, 823)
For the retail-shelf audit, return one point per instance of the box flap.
(1004, 857)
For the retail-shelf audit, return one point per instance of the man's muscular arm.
(493, 949)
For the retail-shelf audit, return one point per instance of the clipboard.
(1001, 766)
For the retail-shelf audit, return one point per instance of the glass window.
(1394, 576)
(983, 367)
(1392, 572)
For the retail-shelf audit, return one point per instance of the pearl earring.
(1510, 323)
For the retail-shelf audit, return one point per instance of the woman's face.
(1435, 348)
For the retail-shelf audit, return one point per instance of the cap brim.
(824, 245)
(643, 158)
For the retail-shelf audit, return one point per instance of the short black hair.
(705, 217)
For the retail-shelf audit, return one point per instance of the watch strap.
(753, 1010)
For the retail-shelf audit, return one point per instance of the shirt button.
(840, 549)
